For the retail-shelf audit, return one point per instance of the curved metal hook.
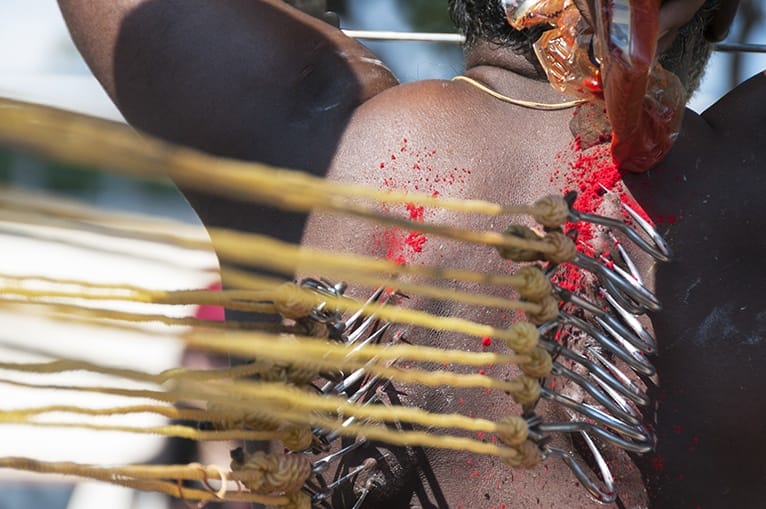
(659, 250)
(640, 365)
(606, 493)
(629, 390)
(609, 278)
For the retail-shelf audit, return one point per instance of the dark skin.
(258, 80)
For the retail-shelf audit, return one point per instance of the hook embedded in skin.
(626, 407)
(626, 333)
(638, 365)
(605, 494)
(636, 353)
(628, 390)
(632, 268)
(643, 298)
(632, 321)
(596, 393)
(659, 250)
(659, 241)
(632, 438)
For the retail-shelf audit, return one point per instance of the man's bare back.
(205, 75)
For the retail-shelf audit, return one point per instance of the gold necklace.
(520, 102)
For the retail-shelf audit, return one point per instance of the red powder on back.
(486, 341)
(416, 213)
(593, 174)
(416, 241)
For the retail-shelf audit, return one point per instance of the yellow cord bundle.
(278, 405)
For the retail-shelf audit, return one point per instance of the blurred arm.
(242, 78)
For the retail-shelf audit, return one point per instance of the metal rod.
(389, 35)
(386, 35)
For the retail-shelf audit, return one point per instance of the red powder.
(416, 213)
(592, 173)
(406, 171)
(658, 463)
(486, 341)
(416, 241)
(481, 372)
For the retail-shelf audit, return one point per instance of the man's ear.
(723, 17)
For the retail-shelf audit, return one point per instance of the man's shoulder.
(740, 108)
(435, 95)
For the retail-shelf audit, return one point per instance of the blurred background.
(39, 63)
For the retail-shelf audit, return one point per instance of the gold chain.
(520, 102)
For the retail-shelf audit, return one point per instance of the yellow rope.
(254, 301)
(135, 476)
(108, 145)
(393, 314)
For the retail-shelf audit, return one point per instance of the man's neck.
(509, 73)
(484, 53)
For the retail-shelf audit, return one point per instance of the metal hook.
(659, 251)
(642, 366)
(625, 257)
(659, 241)
(368, 464)
(624, 331)
(596, 393)
(605, 494)
(322, 465)
(638, 433)
(610, 278)
(632, 322)
(374, 297)
(628, 390)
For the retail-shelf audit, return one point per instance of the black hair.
(688, 56)
(486, 20)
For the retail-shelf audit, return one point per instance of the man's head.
(686, 56)
(484, 20)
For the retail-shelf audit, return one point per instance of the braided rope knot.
(549, 309)
(527, 456)
(535, 286)
(292, 302)
(524, 337)
(231, 417)
(513, 430)
(551, 211)
(519, 253)
(296, 438)
(565, 249)
(272, 473)
(539, 365)
(528, 393)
